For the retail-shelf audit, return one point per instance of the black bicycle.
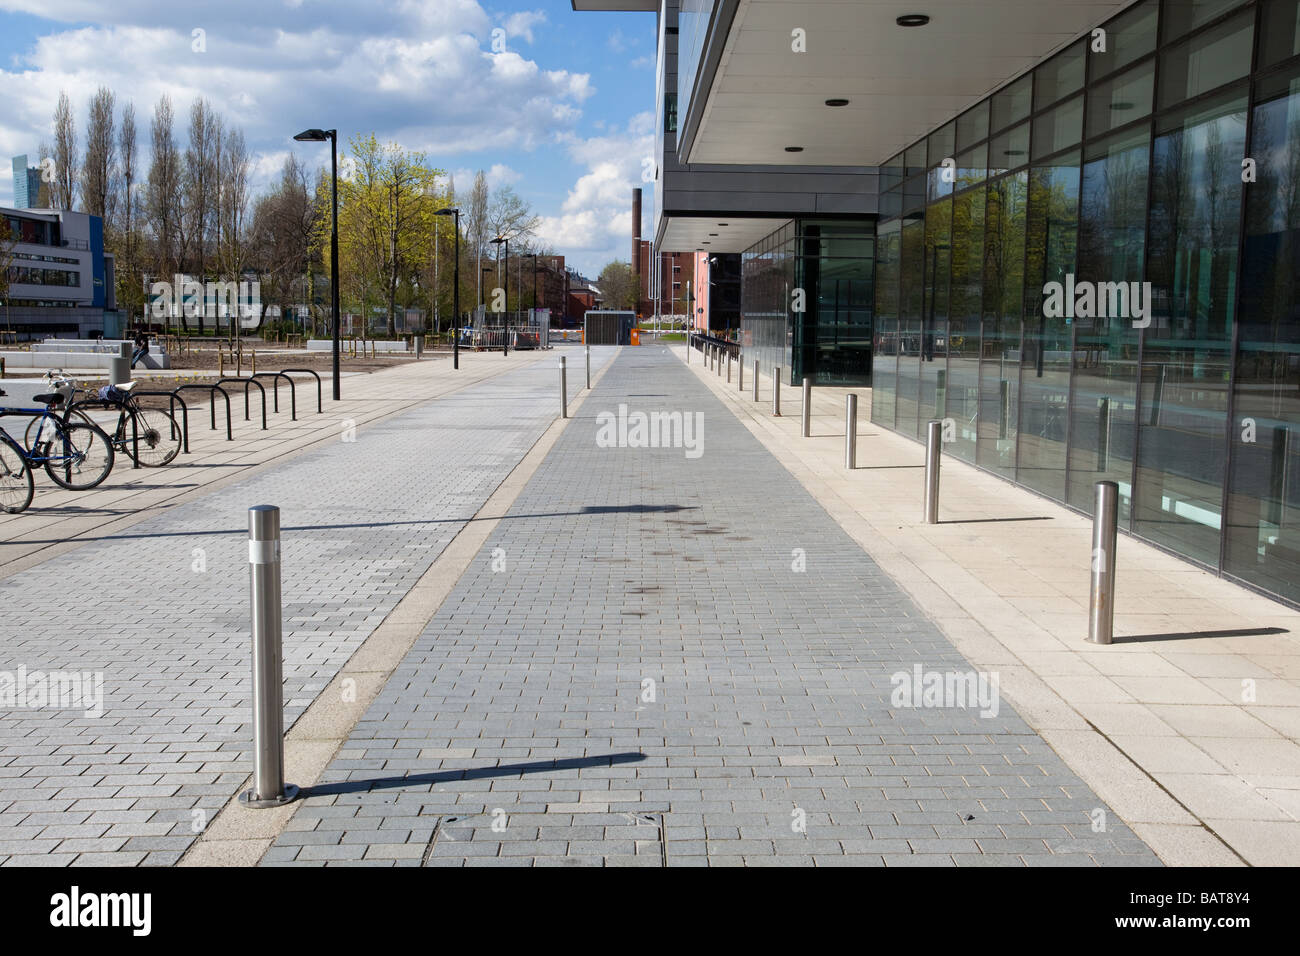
(151, 430)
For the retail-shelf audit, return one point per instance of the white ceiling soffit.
(733, 235)
(901, 82)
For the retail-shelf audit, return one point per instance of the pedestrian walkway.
(161, 611)
(674, 656)
(1188, 725)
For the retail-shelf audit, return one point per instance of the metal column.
(269, 788)
(807, 406)
(1105, 521)
(776, 391)
(564, 389)
(933, 453)
(850, 431)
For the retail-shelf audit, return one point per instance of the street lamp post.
(320, 136)
(498, 241)
(455, 293)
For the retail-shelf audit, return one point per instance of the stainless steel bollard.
(269, 788)
(740, 373)
(850, 431)
(1105, 520)
(1103, 435)
(728, 366)
(806, 412)
(564, 389)
(776, 391)
(933, 455)
(755, 379)
(589, 364)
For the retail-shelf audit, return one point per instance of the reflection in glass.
(1004, 284)
(1263, 545)
(1192, 265)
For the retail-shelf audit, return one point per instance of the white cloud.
(418, 73)
(595, 221)
(521, 24)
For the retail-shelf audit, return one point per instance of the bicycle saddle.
(52, 399)
(126, 386)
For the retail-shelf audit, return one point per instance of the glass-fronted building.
(1092, 274)
(807, 300)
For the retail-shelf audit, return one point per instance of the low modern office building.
(61, 281)
(1084, 235)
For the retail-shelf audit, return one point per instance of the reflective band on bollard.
(807, 406)
(755, 379)
(564, 390)
(1105, 520)
(850, 431)
(776, 391)
(933, 452)
(269, 788)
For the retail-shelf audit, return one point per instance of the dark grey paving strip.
(659, 635)
(163, 615)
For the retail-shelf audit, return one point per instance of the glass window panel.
(973, 125)
(939, 183)
(911, 300)
(884, 359)
(1051, 232)
(1280, 31)
(965, 312)
(914, 158)
(1009, 150)
(934, 319)
(1060, 76)
(972, 167)
(1112, 236)
(942, 143)
(1207, 61)
(1184, 16)
(1004, 284)
(1126, 38)
(1192, 266)
(914, 194)
(1058, 128)
(1011, 103)
(891, 174)
(1121, 99)
(891, 203)
(1263, 536)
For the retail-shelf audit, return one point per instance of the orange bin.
(636, 336)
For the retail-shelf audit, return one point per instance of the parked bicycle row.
(76, 434)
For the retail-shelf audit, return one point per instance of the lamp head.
(313, 136)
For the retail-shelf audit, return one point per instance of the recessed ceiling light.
(724, 224)
(794, 149)
(912, 20)
(713, 234)
(837, 102)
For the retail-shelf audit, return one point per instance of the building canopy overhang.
(714, 234)
(762, 96)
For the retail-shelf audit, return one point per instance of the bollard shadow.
(883, 467)
(588, 510)
(990, 520)
(471, 773)
(1198, 635)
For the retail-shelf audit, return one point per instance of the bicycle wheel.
(160, 437)
(16, 484)
(79, 457)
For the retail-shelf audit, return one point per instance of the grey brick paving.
(362, 521)
(523, 698)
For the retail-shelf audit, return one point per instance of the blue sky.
(557, 104)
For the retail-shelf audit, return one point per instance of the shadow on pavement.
(473, 773)
(1196, 635)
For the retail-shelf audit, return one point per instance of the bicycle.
(16, 483)
(76, 455)
(152, 430)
